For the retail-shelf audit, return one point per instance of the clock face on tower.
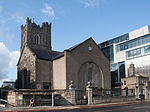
(90, 48)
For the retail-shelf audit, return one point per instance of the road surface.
(126, 107)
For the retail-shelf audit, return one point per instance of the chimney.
(131, 70)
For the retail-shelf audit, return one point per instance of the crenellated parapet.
(35, 35)
(29, 24)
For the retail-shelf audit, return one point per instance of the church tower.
(32, 35)
(35, 62)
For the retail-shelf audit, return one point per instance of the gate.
(80, 97)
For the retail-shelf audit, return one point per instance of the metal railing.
(3, 102)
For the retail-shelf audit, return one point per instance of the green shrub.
(100, 88)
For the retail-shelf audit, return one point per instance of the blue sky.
(72, 22)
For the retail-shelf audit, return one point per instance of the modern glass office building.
(132, 47)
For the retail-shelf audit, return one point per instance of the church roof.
(45, 54)
(59, 55)
(70, 49)
(141, 74)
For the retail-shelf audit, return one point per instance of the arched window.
(36, 39)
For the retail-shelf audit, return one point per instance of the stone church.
(40, 67)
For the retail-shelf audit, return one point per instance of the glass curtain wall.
(114, 74)
(144, 69)
(115, 40)
(133, 43)
(121, 66)
(117, 72)
(138, 52)
(109, 53)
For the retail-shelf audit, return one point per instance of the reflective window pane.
(138, 52)
(133, 43)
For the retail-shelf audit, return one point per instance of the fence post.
(146, 94)
(72, 93)
(89, 90)
(52, 99)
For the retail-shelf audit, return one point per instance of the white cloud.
(14, 58)
(4, 61)
(7, 60)
(90, 3)
(4, 56)
(17, 18)
(48, 11)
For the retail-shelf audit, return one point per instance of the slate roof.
(45, 54)
(59, 56)
(141, 74)
(70, 49)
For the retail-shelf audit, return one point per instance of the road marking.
(142, 107)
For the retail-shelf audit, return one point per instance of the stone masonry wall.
(109, 99)
(27, 61)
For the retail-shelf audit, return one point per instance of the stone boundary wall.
(61, 97)
(41, 97)
(109, 99)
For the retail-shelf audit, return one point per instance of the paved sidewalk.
(44, 108)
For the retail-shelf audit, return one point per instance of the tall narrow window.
(36, 39)
(89, 74)
(24, 40)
